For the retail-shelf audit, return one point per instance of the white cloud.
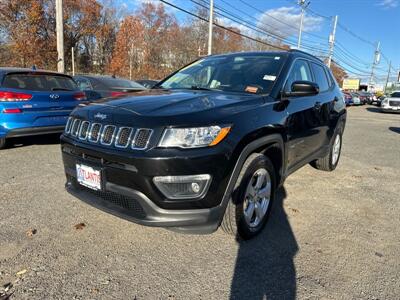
(285, 21)
(386, 4)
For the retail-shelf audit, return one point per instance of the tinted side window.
(84, 84)
(39, 82)
(320, 77)
(299, 72)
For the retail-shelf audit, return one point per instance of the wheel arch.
(271, 145)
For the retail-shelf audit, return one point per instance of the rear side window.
(299, 72)
(39, 82)
(320, 77)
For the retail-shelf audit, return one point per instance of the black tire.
(2, 143)
(326, 163)
(234, 222)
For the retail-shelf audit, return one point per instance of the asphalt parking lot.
(331, 235)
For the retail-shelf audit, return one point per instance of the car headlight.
(385, 101)
(193, 137)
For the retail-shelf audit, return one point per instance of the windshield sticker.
(269, 77)
(277, 57)
(251, 89)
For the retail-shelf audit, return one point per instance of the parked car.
(148, 83)
(209, 145)
(348, 99)
(35, 102)
(391, 103)
(364, 97)
(356, 99)
(379, 100)
(97, 87)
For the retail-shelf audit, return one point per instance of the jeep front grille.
(94, 132)
(83, 132)
(75, 127)
(123, 137)
(108, 135)
(69, 125)
(142, 137)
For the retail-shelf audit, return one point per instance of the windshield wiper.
(60, 89)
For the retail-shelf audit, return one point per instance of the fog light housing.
(183, 187)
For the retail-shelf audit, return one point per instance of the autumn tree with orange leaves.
(26, 24)
(129, 52)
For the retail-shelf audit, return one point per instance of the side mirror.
(302, 89)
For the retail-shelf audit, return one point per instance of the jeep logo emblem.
(100, 116)
(54, 96)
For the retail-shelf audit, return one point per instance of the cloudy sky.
(362, 24)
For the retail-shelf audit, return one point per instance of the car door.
(325, 101)
(303, 120)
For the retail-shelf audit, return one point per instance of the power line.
(245, 23)
(268, 25)
(223, 27)
(254, 27)
(276, 19)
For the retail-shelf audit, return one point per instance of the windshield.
(240, 73)
(39, 82)
(395, 95)
(121, 83)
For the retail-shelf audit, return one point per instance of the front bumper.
(134, 206)
(390, 106)
(129, 192)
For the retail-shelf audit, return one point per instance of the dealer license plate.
(88, 176)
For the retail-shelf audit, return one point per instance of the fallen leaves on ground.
(22, 272)
(79, 226)
(31, 232)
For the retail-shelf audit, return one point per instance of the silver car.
(391, 103)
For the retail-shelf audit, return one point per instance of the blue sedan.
(35, 102)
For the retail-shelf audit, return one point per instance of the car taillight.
(116, 94)
(14, 97)
(81, 96)
(12, 111)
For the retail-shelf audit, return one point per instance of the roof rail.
(305, 53)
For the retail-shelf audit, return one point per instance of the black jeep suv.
(209, 145)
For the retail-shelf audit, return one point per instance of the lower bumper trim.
(34, 131)
(145, 212)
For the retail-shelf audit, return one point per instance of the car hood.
(393, 99)
(166, 103)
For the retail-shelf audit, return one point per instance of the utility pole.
(60, 36)
(376, 61)
(388, 75)
(303, 5)
(210, 27)
(73, 60)
(332, 41)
